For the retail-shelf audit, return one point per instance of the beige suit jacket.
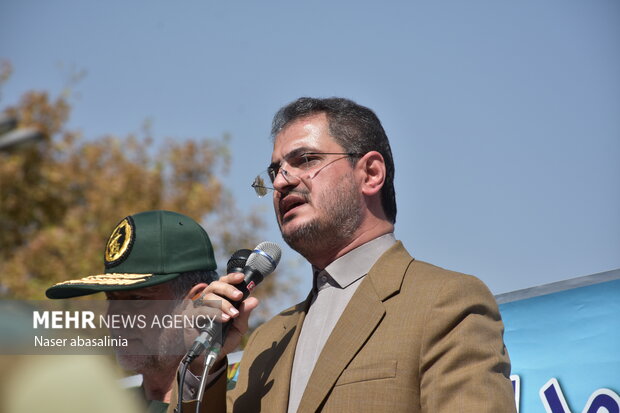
(414, 338)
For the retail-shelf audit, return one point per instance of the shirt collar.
(356, 263)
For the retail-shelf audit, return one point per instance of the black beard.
(335, 229)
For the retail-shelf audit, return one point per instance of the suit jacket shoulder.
(413, 338)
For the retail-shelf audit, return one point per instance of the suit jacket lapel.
(278, 396)
(359, 319)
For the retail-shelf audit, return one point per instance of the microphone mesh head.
(265, 257)
(238, 260)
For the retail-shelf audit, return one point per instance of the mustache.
(290, 198)
(302, 192)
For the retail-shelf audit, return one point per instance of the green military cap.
(145, 249)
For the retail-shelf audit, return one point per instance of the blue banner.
(565, 349)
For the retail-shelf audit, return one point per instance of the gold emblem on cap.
(119, 241)
(109, 279)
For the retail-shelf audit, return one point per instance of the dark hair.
(354, 127)
(185, 281)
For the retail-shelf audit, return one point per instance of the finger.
(224, 297)
(224, 308)
(218, 288)
(204, 313)
(232, 278)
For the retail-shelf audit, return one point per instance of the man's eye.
(309, 161)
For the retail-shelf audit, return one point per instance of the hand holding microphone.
(235, 288)
(246, 269)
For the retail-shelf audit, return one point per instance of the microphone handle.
(217, 331)
(252, 279)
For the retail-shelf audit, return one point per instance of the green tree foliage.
(61, 197)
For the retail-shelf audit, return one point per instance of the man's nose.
(284, 181)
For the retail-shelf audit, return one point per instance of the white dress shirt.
(333, 288)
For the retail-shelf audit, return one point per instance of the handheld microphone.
(260, 263)
(255, 267)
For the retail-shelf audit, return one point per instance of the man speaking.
(380, 331)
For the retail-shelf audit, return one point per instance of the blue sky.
(504, 117)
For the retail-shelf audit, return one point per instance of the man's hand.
(219, 296)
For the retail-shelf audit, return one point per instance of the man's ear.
(373, 173)
(195, 291)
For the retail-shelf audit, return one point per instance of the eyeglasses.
(300, 166)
